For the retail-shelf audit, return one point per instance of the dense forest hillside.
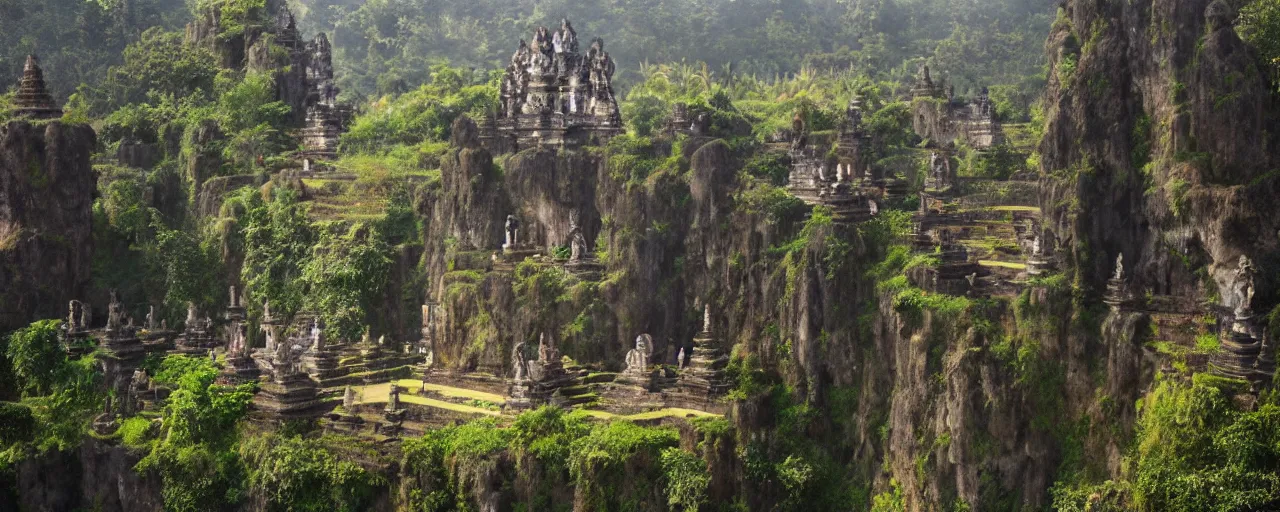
(707, 255)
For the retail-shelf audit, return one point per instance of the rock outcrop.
(46, 198)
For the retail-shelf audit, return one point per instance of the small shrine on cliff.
(553, 94)
(1245, 353)
(841, 181)
(326, 118)
(939, 117)
(33, 100)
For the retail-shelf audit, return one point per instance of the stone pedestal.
(288, 395)
(1038, 265)
(1244, 355)
(586, 268)
(123, 353)
(196, 341)
(320, 364)
(1118, 295)
(704, 376)
(544, 380)
(239, 369)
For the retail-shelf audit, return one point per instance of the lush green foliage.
(424, 114)
(77, 40)
(344, 276)
(687, 479)
(390, 46)
(195, 455)
(158, 65)
(60, 394)
(1195, 450)
(308, 475)
(36, 355)
(277, 241)
(1259, 25)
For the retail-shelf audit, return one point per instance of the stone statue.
(393, 400)
(1242, 287)
(317, 337)
(547, 349)
(269, 332)
(681, 359)
(513, 231)
(382, 340)
(577, 240)
(151, 318)
(1119, 275)
(1036, 249)
(706, 318)
(349, 398)
(519, 367)
(638, 358)
(281, 357)
(938, 169)
(113, 312)
(266, 311)
(191, 316)
(140, 380)
(798, 136)
(568, 36)
(701, 124)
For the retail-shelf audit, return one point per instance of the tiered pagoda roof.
(33, 99)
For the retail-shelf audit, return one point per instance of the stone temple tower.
(33, 100)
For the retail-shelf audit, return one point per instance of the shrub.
(687, 479)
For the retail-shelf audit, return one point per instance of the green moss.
(136, 431)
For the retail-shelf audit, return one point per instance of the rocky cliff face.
(46, 196)
(97, 475)
(1160, 121)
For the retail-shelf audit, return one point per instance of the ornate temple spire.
(33, 99)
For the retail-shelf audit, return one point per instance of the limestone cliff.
(46, 197)
(1158, 145)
